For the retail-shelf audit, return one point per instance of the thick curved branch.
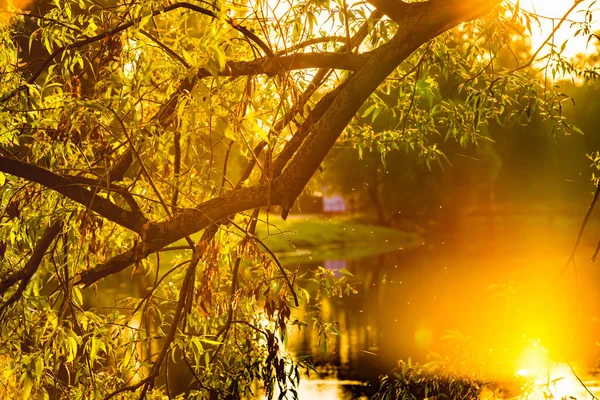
(395, 9)
(422, 24)
(276, 65)
(323, 104)
(73, 190)
(417, 29)
(305, 128)
(110, 187)
(449, 11)
(163, 233)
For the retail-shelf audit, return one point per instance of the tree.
(123, 128)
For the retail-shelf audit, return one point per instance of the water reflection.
(330, 389)
(477, 295)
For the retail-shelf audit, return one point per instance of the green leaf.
(39, 368)
(78, 296)
(576, 129)
(27, 387)
(368, 111)
(144, 21)
(72, 350)
(210, 341)
(93, 349)
(220, 57)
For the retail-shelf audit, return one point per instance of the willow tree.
(130, 130)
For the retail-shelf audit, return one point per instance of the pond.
(493, 292)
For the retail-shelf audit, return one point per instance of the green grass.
(315, 238)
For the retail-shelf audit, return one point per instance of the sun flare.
(550, 13)
(548, 379)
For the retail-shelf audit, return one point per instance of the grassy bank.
(316, 238)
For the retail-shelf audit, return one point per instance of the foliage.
(464, 373)
(148, 122)
(433, 380)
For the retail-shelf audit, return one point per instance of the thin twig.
(165, 48)
(596, 252)
(583, 224)
(275, 260)
(581, 382)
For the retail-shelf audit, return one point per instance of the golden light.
(563, 383)
(9, 7)
(547, 378)
(424, 338)
(550, 12)
(533, 360)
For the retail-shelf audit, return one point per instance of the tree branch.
(24, 276)
(72, 189)
(162, 233)
(310, 42)
(417, 28)
(317, 112)
(449, 11)
(276, 65)
(110, 187)
(394, 9)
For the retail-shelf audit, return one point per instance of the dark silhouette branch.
(277, 65)
(109, 187)
(72, 189)
(581, 382)
(582, 227)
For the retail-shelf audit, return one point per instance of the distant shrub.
(433, 380)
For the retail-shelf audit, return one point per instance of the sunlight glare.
(533, 360)
(547, 377)
(7, 7)
(551, 12)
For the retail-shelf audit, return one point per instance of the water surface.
(486, 293)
